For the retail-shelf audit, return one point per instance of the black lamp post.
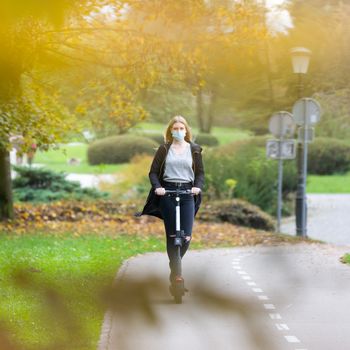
(300, 62)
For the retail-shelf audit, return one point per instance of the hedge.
(119, 149)
(328, 156)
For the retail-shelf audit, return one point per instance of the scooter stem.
(177, 213)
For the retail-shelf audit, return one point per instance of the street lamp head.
(300, 59)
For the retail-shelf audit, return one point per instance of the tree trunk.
(6, 200)
(200, 110)
(269, 76)
(211, 112)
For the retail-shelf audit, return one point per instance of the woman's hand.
(195, 190)
(160, 191)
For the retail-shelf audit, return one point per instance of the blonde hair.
(177, 119)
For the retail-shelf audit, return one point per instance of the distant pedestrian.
(31, 154)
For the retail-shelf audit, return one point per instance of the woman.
(176, 164)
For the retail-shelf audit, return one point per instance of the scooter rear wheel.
(178, 299)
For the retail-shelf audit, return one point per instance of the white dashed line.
(282, 327)
(275, 316)
(251, 283)
(292, 339)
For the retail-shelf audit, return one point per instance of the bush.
(327, 156)
(241, 145)
(43, 185)
(201, 139)
(237, 212)
(256, 175)
(335, 121)
(206, 140)
(133, 183)
(159, 138)
(119, 149)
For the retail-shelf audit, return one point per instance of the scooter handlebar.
(178, 191)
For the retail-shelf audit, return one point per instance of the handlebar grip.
(178, 191)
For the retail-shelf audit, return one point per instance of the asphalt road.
(283, 298)
(328, 218)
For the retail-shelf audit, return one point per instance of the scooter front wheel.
(179, 290)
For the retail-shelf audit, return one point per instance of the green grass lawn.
(228, 135)
(328, 183)
(346, 259)
(57, 160)
(59, 284)
(224, 135)
(147, 127)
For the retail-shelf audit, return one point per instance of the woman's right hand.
(160, 191)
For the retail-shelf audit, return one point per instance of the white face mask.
(178, 134)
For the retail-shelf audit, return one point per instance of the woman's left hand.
(195, 190)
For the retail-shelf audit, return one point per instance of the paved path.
(328, 218)
(90, 180)
(282, 298)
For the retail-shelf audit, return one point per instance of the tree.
(235, 31)
(110, 107)
(27, 31)
(328, 76)
(35, 38)
(201, 37)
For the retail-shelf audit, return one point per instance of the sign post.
(281, 124)
(306, 113)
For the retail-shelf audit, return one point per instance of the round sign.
(281, 124)
(306, 111)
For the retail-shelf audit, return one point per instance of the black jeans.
(167, 207)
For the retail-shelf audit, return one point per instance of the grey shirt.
(178, 167)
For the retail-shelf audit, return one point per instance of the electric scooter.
(177, 289)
